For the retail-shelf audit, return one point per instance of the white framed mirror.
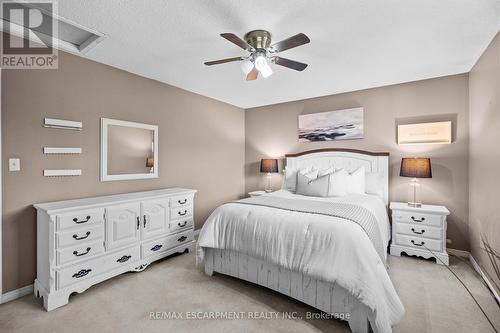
(129, 150)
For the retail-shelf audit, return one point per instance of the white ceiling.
(355, 44)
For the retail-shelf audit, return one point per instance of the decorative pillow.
(290, 179)
(338, 183)
(356, 182)
(374, 183)
(317, 187)
(328, 171)
(310, 173)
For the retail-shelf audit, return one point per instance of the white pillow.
(290, 179)
(338, 183)
(356, 181)
(310, 173)
(374, 183)
(328, 171)
(314, 187)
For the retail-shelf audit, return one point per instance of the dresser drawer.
(79, 252)
(182, 224)
(80, 236)
(181, 212)
(182, 200)
(91, 268)
(418, 218)
(165, 243)
(419, 230)
(80, 219)
(419, 243)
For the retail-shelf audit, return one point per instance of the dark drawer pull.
(156, 247)
(138, 222)
(124, 259)
(182, 214)
(417, 220)
(421, 243)
(182, 239)
(82, 273)
(81, 254)
(144, 221)
(87, 234)
(82, 221)
(416, 232)
(183, 202)
(182, 224)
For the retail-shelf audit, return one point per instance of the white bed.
(327, 262)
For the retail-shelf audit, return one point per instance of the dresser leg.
(51, 302)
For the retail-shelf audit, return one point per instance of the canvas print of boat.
(333, 125)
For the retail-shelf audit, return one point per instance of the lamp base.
(414, 193)
(268, 188)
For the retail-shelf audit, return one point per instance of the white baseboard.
(485, 277)
(17, 293)
(459, 253)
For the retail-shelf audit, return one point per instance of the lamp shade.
(416, 167)
(269, 165)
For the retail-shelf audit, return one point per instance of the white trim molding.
(17, 293)
(477, 268)
(459, 253)
(485, 277)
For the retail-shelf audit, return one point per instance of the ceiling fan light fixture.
(262, 66)
(247, 66)
(258, 44)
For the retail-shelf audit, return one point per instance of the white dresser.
(83, 242)
(415, 231)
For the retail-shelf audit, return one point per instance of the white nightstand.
(415, 231)
(256, 193)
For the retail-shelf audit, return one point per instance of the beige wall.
(201, 145)
(484, 154)
(271, 131)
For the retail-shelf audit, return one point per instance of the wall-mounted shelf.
(62, 124)
(62, 150)
(62, 173)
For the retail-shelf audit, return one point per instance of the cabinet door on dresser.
(123, 225)
(154, 217)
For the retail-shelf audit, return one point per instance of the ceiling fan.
(258, 43)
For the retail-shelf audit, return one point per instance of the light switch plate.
(14, 164)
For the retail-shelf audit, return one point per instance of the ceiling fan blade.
(298, 66)
(222, 61)
(237, 40)
(253, 74)
(294, 41)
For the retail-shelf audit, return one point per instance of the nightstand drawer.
(418, 230)
(419, 243)
(417, 218)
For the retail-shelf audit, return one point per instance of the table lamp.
(269, 166)
(415, 167)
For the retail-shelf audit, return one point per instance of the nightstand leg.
(395, 252)
(442, 259)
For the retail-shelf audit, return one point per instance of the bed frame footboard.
(325, 296)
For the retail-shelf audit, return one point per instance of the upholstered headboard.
(349, 159)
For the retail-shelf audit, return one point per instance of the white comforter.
(327, 248)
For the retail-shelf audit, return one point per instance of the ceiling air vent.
(69, 36)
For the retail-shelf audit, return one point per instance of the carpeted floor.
(434, 301)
